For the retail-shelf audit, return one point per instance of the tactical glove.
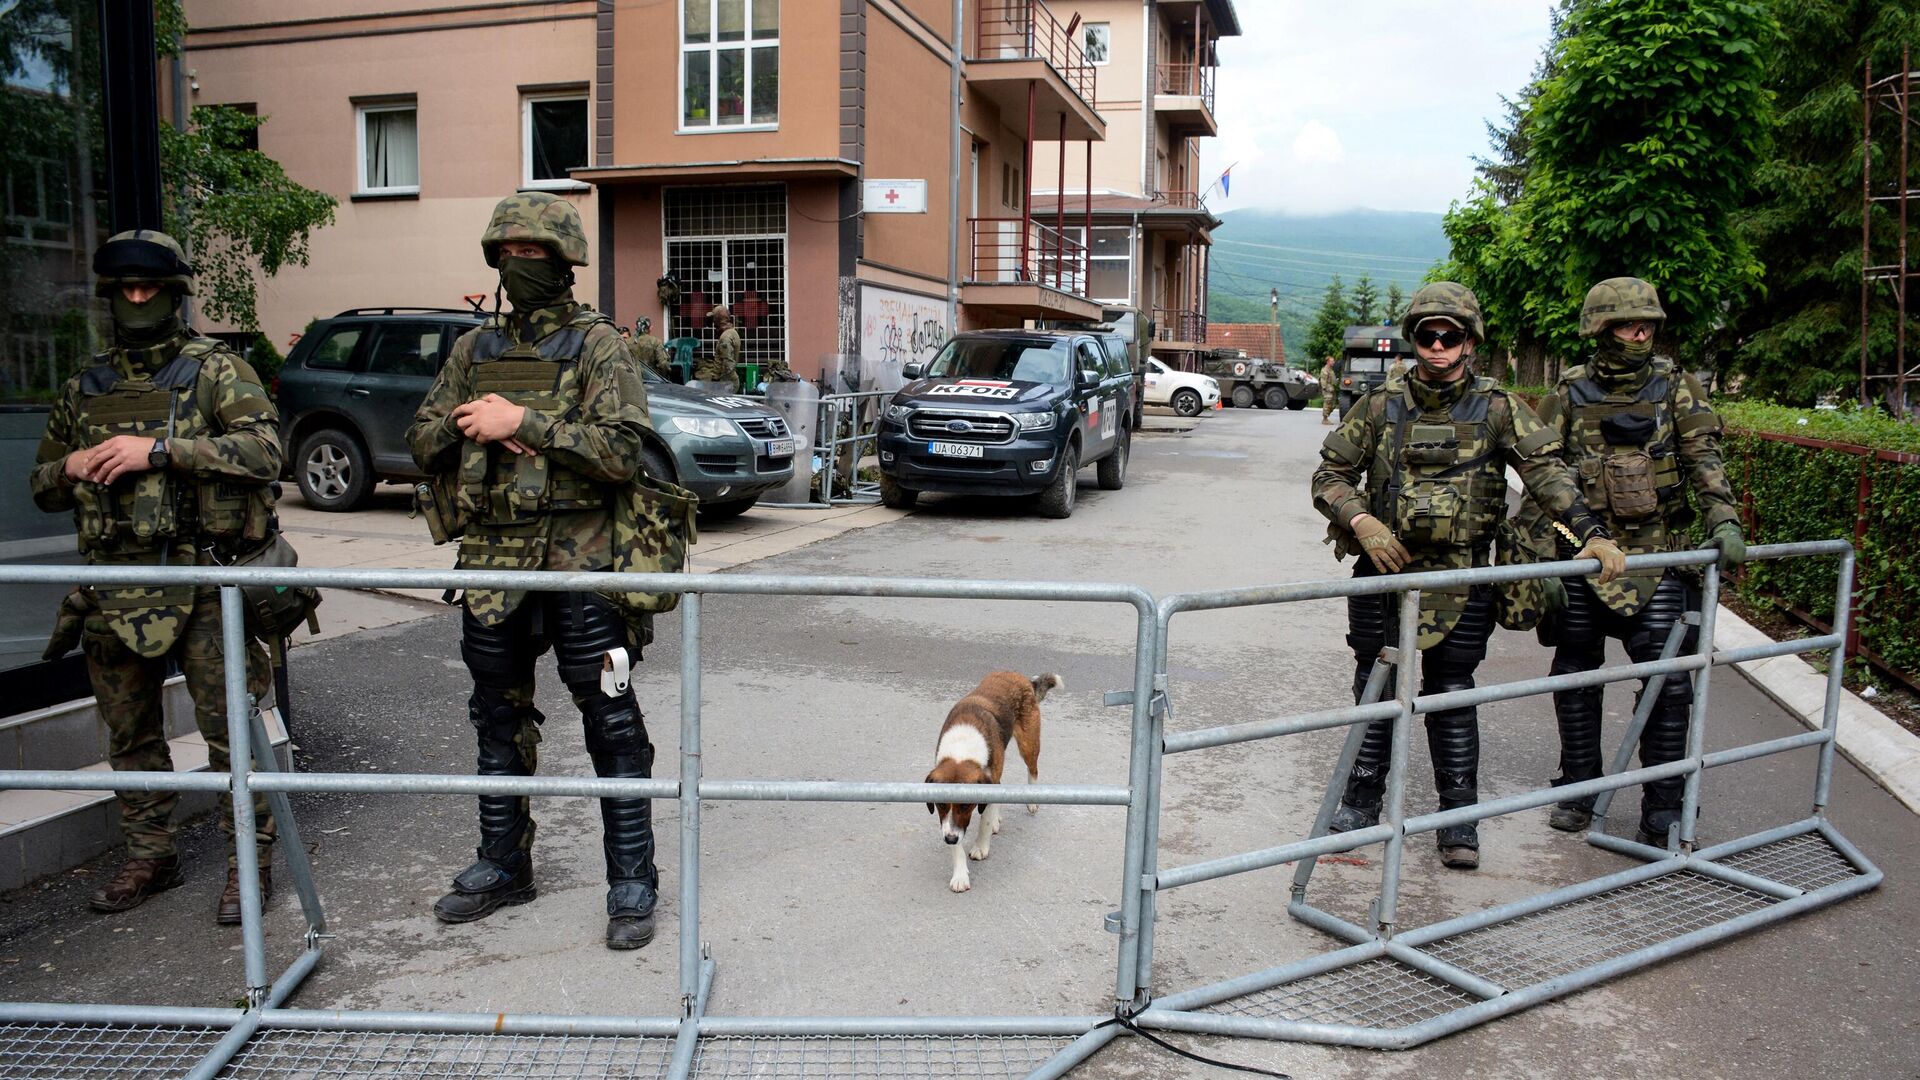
(1733, 547)
(1389, 555)
(1612, 562)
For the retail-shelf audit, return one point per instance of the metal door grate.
(91, 1051)
(873, 1057)
(1373, 993)
(1805, 862)
(350, 1055)
(1564, 939)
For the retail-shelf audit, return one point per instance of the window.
(39, 202)
(250, 140)
(730, 63)
(728, 245)
(1010, 186)
(553, 139)
(335, 351)
(389, 149)
(1109, 263)
(1098, 40)
(405, 349)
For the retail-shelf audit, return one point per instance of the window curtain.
(393, 149)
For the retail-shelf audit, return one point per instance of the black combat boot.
(633, 884)
(1367, 783)
(502, 871)
(1454, 739)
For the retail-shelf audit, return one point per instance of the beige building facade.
(806, 162)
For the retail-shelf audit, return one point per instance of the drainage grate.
(1373, 993)
(1565, 939)
(1805, 862)
(89, 1051)
(350, 1055)
(868, 1057)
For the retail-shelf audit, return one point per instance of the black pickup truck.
(1010, 412)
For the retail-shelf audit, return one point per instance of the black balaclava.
(532, 284)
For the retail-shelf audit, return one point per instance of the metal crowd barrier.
(839, 452)
(1350, 995)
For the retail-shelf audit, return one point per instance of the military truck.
(1246, 381)
(1367, 357)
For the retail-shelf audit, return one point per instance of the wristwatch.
(158, 457)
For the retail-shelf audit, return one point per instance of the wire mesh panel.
(1567, 938)
(91, 1051)
(1804, 862)
(349, 1055)
(728, 245)
(1373, 993)
(873, 1057)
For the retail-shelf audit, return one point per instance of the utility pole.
(1273, 327)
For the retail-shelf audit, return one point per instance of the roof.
(1224, 17)
(1111, 203)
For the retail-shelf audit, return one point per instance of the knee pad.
(615, 726)
(1672, 598)
(1466, 644)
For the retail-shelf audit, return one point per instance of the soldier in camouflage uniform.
(1640, 436)
(536, 418)
(719, 365)
(1415, 479)
(1329, 392)
(163, 451)
(650, 351)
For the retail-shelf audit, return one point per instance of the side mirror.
(1089, 377)
(913, 371)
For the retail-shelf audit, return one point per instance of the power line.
(1356, 255)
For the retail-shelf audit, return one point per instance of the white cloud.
(1318, 144)
(1379, 104)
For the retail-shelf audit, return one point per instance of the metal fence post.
(1836, 679)
(689, 802)
(1136, 883)
(1697, 727)
(1406, 691)
(233, 659)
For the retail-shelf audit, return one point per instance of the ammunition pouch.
(653, 526)
(1431, 512)
(436, 499)
(274, 611)
(1628, 476)
(1522, 605)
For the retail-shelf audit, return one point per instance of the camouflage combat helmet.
(537, 217)
(1620, 299)
(141, 255)
(1448, 299)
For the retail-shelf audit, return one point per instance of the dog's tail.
(1044, 683)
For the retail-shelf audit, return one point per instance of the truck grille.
(764, 427)
(960, 425)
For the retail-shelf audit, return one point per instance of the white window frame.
(1078, 234)
(564, 183)
(747, 45)
(360, 114)
(1086, 29)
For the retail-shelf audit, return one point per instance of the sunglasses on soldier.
(1445, 339)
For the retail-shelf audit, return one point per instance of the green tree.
(1802, 338)
(1396, 302)
(235, 209)
(1365, 301)
(1328, 334)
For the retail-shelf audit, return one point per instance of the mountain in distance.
(1256, 251)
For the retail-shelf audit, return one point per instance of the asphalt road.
(843, 909)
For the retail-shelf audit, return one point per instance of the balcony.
(1035, 72)
(1183, 97)
(1178, 330)
(1021, 269)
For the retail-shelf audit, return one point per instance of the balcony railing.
(1027, 29)
(1179, 324)
(1013, 251)
(1188, 80)
(1181, 200)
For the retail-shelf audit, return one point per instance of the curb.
(1884, 750)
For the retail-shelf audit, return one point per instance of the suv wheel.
(895, 497)
(659, 466)
(1186, 403)
(1243, 397)
(1112, 470)
(332, 471)
(1057, 500)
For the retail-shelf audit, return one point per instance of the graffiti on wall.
(899, 328)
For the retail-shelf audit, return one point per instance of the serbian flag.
(1226, 182)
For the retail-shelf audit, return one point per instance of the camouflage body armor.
(159, 515)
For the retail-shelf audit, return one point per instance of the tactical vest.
(1438, 482)
(1624, 446)
(498, 487)
(141, 511)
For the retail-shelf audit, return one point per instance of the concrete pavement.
(830, 909)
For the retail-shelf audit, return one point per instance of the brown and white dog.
(1004, 708)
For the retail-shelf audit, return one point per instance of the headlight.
(897, 414)
(1213, 384)
(706, 427)
(1039, 421)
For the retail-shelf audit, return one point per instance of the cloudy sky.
(1375, 103)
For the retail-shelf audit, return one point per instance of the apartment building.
(1150, 229)
(806, 162)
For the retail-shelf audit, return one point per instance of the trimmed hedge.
(1796, 491)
